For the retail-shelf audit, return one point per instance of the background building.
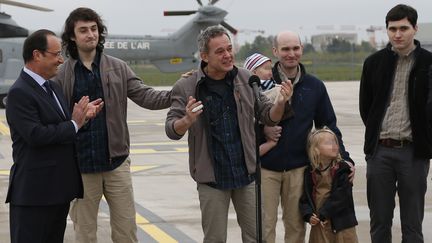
(321, 41)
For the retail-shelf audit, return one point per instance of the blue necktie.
(49, 89)
(50, 92)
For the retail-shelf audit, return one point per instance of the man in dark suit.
(45, 176)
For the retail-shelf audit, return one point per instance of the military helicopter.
(172, 53)
(11, 40)
(175, 52)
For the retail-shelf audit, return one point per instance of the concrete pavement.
(166, 196)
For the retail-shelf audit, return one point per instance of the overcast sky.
(145, 17)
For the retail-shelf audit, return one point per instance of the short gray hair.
(208, 34)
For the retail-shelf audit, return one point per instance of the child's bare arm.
(265, 147)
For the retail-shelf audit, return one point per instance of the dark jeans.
(389, 171)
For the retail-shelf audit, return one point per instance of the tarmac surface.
(166, 198)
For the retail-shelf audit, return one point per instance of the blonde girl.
(327, 201)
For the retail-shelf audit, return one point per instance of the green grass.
(335, 72)
(335, 66)
(328, 67)
(153, 77)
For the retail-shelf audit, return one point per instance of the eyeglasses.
(57, 54)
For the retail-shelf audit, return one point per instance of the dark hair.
(36, 41)
(402, 11)
(81, 14)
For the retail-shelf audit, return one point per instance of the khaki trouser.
(288, 186)
(116, 186)
(214, 205)
(319, 234)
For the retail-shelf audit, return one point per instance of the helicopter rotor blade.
(25, 5)
(212, 2)
(179, 13)
(229, 27)
(199, 2)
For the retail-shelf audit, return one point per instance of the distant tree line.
(341, 45)
(339, 60)
(264, 46)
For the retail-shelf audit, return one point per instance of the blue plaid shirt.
(92, 138)
(226, 145)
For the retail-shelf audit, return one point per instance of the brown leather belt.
(393, 143)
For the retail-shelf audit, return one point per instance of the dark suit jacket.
(45, 170)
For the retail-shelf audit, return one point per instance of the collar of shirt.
(95, 62)
(404, 55)
(41, 81)
(283, 76)
(35, 76)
